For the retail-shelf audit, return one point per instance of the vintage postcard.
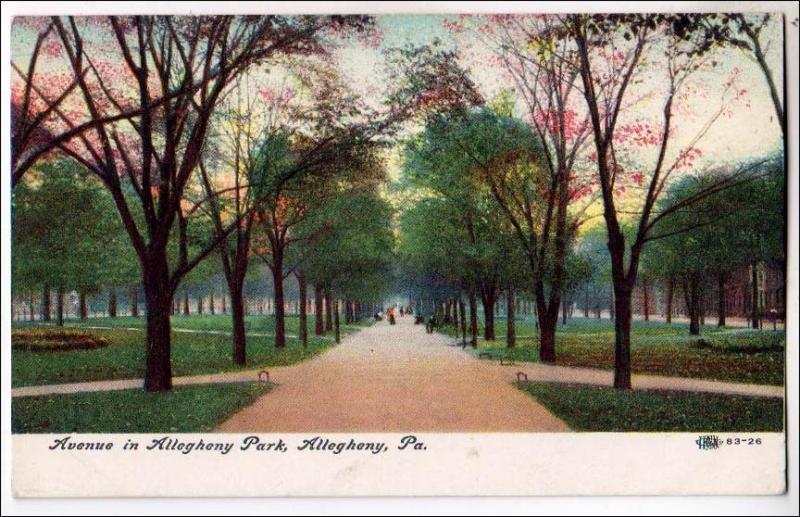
(448, 250)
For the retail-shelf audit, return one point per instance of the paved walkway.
(394, 379)
(127, 384)
(567, 374)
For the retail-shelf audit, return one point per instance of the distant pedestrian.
(432, 324)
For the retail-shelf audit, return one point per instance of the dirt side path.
(393, 379)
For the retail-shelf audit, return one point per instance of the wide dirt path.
(394, 379)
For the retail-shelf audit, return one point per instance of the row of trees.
(505, 189)
(225, 135)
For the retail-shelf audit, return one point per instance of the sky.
(750, 130)
(747, 132)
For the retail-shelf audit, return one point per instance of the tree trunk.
(186, 303)
(60, 307)
(337, 334)
(112, 303)
(211, 307)
(511, 324)
(670, 296)
(548, 321)
(755, 44)
(755, 318)
(328, 310)
(586, 304)
(622, 339)
(303, 323)
(473, 318)
(646, 294)
(280, 309)
(31, 314)
(158, 300)
(721, 301)
(488, 299)
(46, 303)
(200, 304)
(133, 301)
(691, 292)
(564, 311)
(82, 309)
(319, 325)
(462, 311)
(236, 290)
(224, 305)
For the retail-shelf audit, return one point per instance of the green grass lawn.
(185, 409)
(730, 354)
(600, 408)
(192, 353)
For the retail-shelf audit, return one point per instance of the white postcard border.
(20, 445)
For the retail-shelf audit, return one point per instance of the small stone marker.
(522, 376)
(263, 376)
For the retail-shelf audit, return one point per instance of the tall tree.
(542, 67)
(613, 50)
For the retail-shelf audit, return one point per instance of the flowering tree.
(541, 68)
(171, 72)
(613, 50)
(44, 97)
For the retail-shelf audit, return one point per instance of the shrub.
(747, 342)
(54, 340)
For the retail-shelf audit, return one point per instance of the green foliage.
(65, 232)
(457, 235)
(353, 251)
(604, 409)
(591, 283)
(185, 409)
(434, 249)
(719, 233)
